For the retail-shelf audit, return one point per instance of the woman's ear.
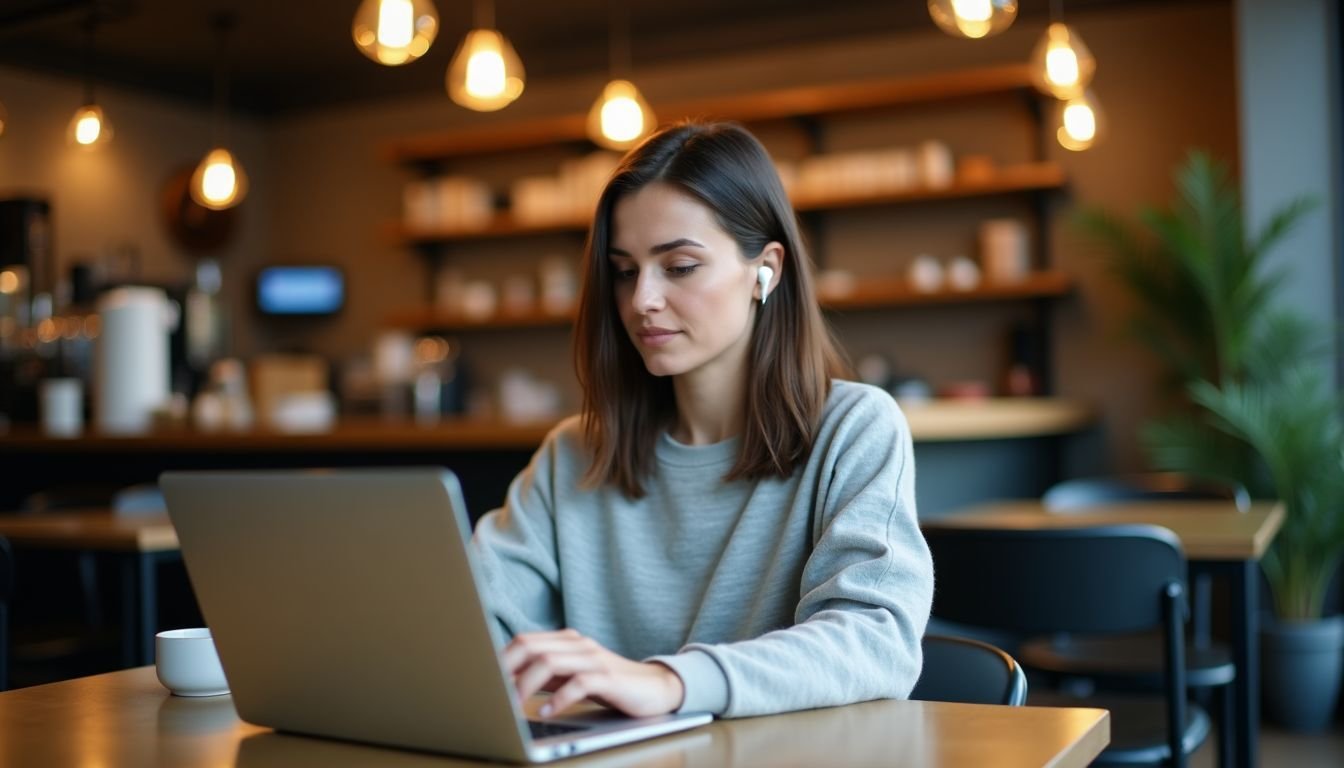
(771, 257)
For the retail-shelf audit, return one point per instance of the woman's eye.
(626, 274)
(682, 271)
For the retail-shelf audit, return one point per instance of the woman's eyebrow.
(680, 242)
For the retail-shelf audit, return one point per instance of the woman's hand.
(575, 668)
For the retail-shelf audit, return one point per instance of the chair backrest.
(141, 499)
(1093, 579)
(969, 672)
(1099, 579)
(1080, 494)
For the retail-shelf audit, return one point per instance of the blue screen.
(300, 290)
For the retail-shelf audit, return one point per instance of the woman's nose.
(648, 295)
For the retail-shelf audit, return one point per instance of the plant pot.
(1302, 665)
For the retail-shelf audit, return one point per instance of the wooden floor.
(1283, 749)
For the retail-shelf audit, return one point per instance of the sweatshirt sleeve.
(865, 593)
(515, 550)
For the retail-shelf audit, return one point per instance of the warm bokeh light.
(1062, 65)
(219, 182)
(395, 32)
(620, 116)
(973, 18)
(4, 119)
(9, 281)
(1080, 122)
(486, 73)
(396, 23)
(89, 128)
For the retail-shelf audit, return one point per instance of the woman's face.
(683, 288)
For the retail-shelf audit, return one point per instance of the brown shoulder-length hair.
(792, 356)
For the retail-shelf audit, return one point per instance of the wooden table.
(1216, 537)
(138, 543)
(127, 719)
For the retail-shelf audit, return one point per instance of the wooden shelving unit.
(890, 293)
(1026, 177)
(802, 101)
(810, 106)
(867, 294)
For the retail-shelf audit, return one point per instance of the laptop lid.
(343, 603)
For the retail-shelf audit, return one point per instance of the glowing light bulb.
(486, 73)
(89, 128)
(396, 23)
(1061, 64)
(973, 18)
(395, 32)
(620, 116)
(4, 118)
(1081, 122)
(219, 182)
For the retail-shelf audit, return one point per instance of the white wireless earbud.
(763, 276)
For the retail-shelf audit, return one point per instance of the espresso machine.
(27, 276)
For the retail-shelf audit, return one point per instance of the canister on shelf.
(1004, 251)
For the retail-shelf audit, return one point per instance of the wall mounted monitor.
(300, 291)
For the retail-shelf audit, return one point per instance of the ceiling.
(287, 56)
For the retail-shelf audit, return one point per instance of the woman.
(726, 527)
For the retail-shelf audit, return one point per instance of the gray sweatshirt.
(764, 596)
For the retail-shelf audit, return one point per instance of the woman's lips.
(656, 337)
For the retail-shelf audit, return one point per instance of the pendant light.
(1080, 122)
(219, 181)
(486, 73)
(620, 117)
(1061, 64)
(973, 18)
(89, 128)
(395, 32)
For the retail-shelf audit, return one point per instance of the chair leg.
(1227, 721)
(1201, 618)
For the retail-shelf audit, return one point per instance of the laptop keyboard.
(541, 730)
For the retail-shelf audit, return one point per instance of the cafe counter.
(486, 455)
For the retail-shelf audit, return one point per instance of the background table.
(1216, 538)
(139, 543)
(127, 719)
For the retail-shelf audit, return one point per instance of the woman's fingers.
(636, 689)
(556, 665)
(523, 648)
(575, 668)
(575, 689)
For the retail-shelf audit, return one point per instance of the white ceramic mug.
(187, 663)
(62, 407)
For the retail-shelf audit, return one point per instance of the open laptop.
(343, 604)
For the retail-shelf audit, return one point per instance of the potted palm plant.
(1252, 406)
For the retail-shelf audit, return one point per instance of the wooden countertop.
(349, 435)
(1208, 530)
(936, 421)
(99, 530)
(127, 719)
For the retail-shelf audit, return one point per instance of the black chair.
(970, 672)
(1136, 661)
(6, 586)
(1079, 494)
(63, 631)
(1099, 580)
